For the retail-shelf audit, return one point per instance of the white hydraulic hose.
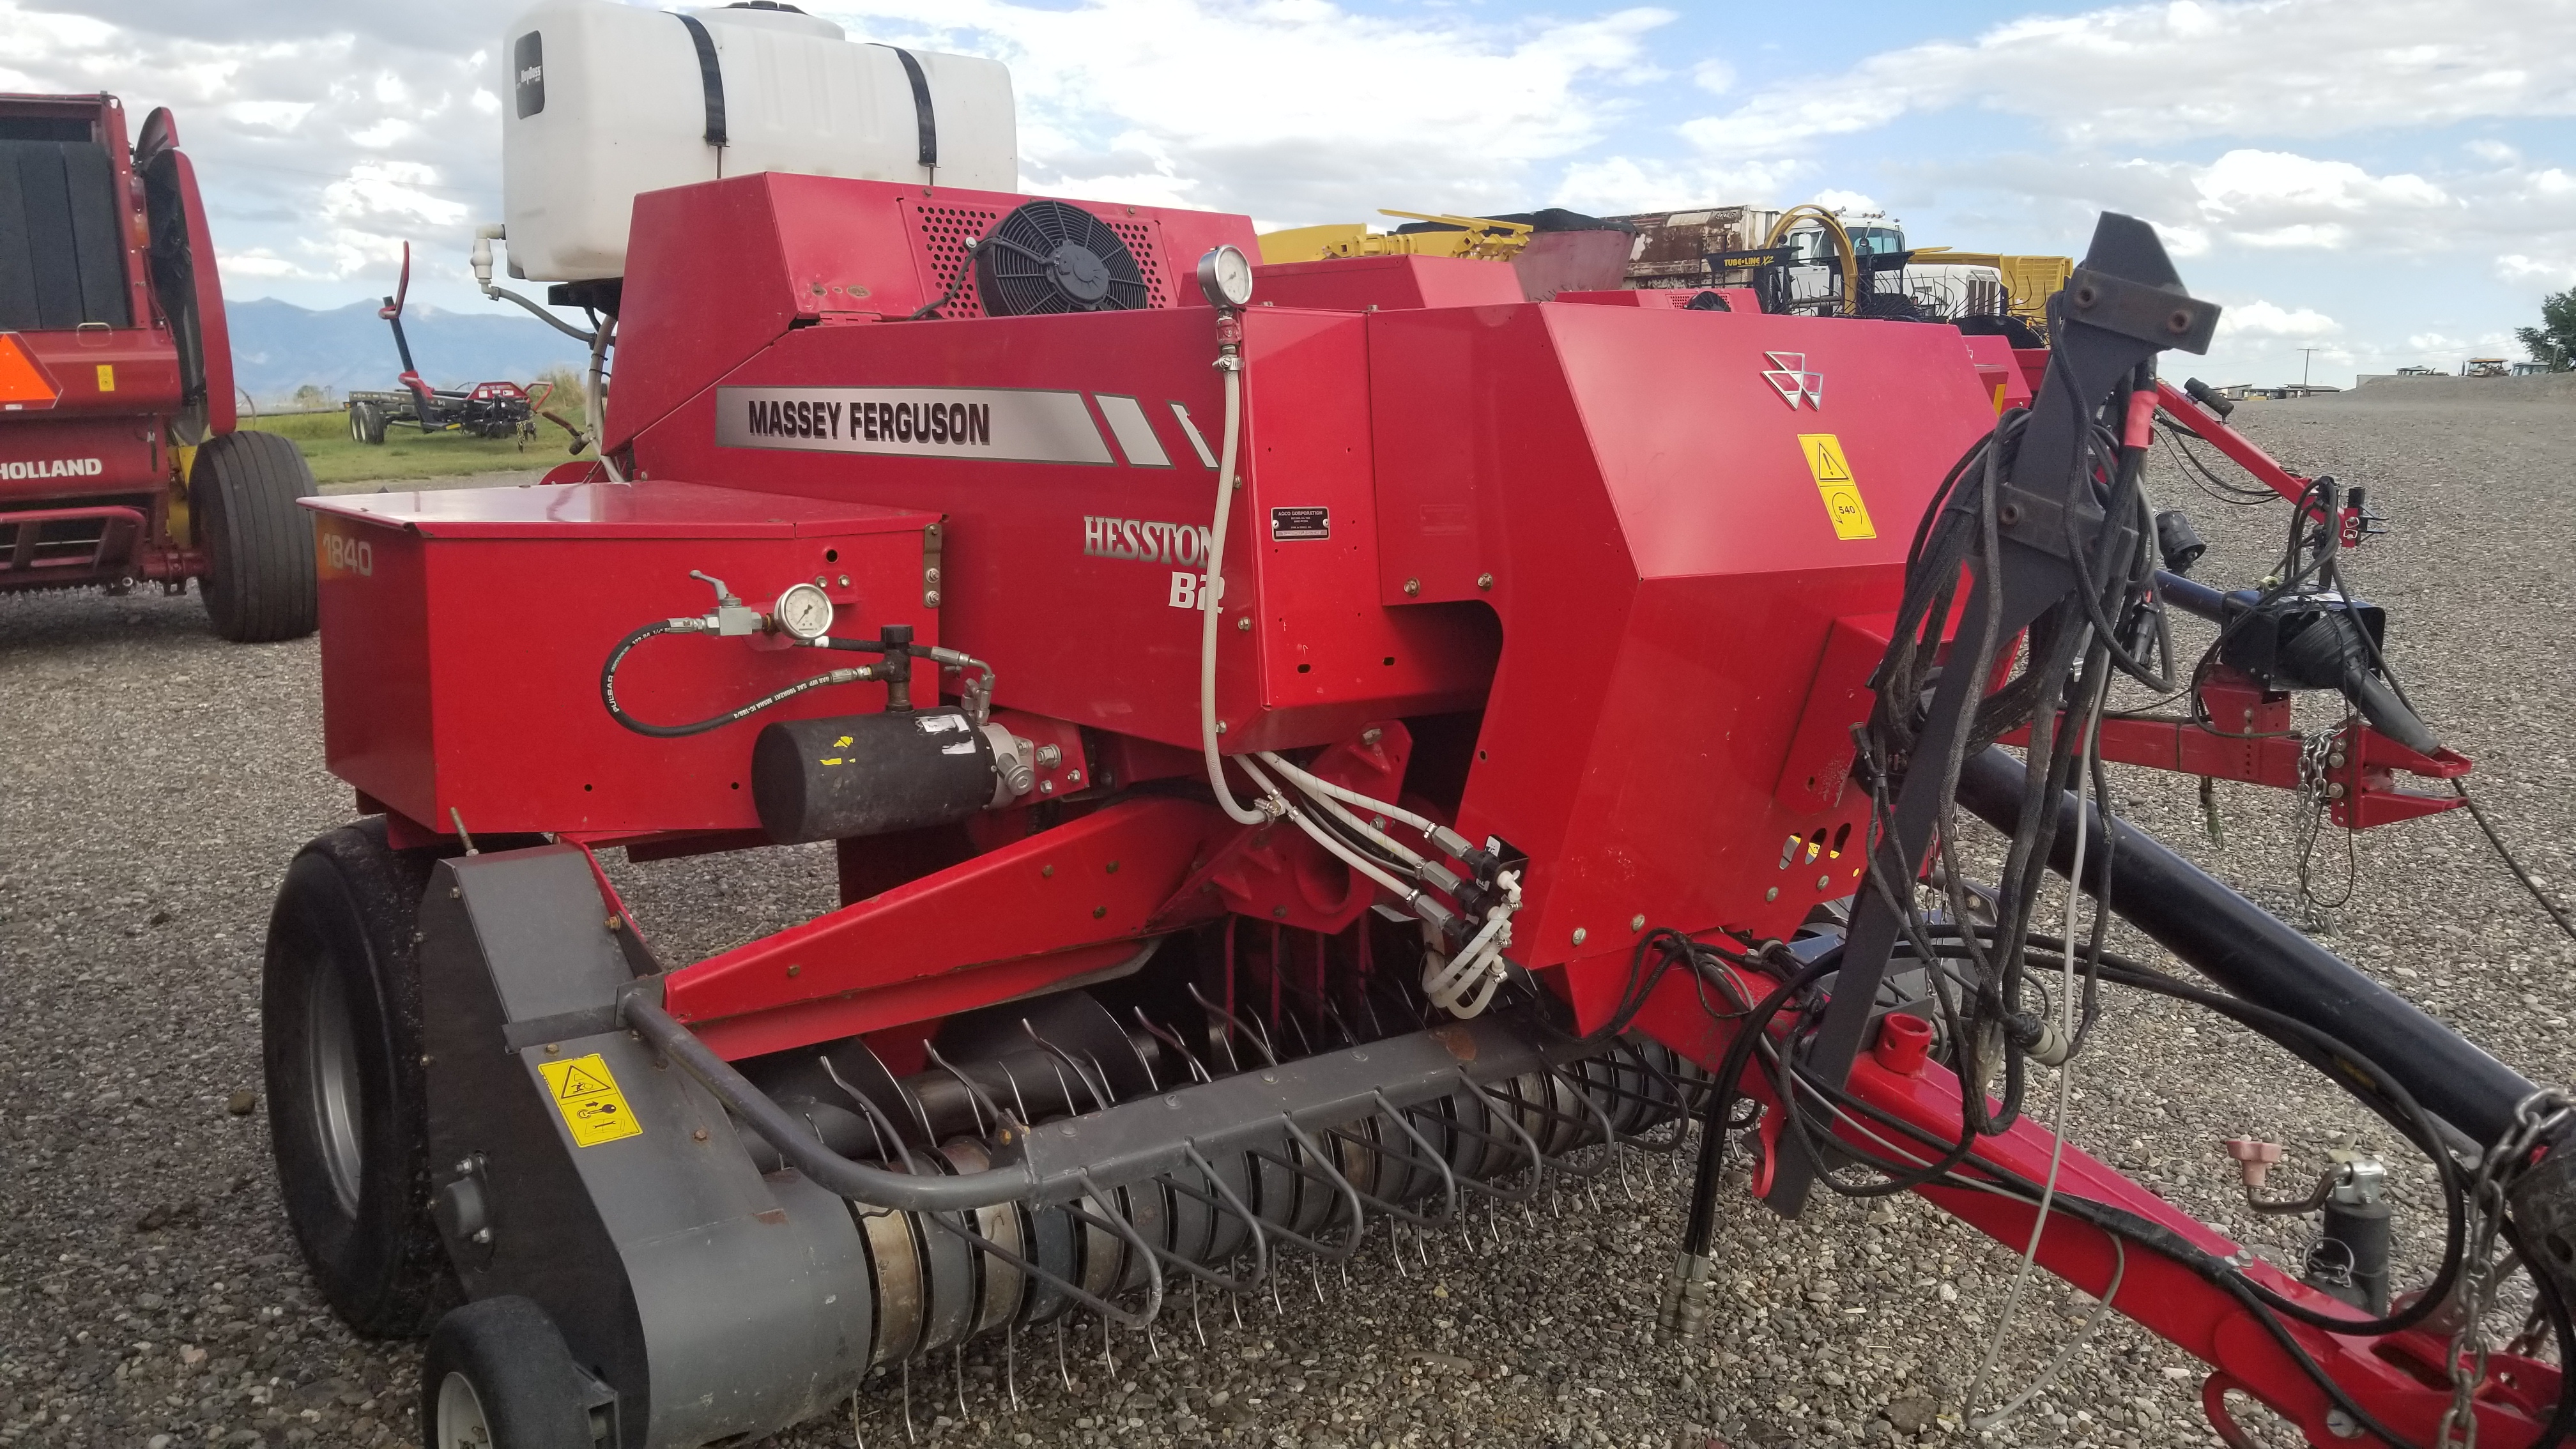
(1309, 784)
(1324, 838)
(1480, 961)
(1214, 594)
(1463, 967)
(1317, 785)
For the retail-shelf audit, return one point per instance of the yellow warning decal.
(594, 1111)
(106, 377)
(1824, 453)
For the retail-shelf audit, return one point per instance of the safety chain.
(2314, 751)
(2540, 1113)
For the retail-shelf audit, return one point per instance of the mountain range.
(279, 347)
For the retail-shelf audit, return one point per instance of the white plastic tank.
(605, 100)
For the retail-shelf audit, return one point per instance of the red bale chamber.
(1541, 632)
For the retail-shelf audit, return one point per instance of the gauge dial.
(804, 611)
(1225, 275)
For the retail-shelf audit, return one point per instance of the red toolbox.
(463, 633)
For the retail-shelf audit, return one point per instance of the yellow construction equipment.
(1850, 263)
(2028, 282)
(1482, 237)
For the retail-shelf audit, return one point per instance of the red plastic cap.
(1903, 1042)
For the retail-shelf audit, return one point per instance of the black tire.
(371, 423)
(357, 434)
(497, 1376)
(259, 584)
(340, 1042)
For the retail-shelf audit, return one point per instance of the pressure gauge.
(1225, 275)
(804, 611)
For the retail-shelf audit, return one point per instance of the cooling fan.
(1048, 256)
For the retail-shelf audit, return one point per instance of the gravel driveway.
(157, 782)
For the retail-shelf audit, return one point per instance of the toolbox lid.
(650, 509)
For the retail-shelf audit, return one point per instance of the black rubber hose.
(1701, 1229)
(2252, 954)
(616, 656)
(796, 1140)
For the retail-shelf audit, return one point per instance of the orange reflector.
(24, 384)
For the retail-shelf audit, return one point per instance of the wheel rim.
(460, 1416)
(331, 1045)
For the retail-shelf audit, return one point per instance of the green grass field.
(407, 452)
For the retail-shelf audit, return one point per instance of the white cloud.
(1292, 110)
(2259, 318)
(2197, 68)
(1620, 185)
(318, 155)
(2556, 271)
(2517, 219)
(2278, 199)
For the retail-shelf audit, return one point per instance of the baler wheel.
(260, 567)
(340, 1029)
(497, 1376)
(366, 423)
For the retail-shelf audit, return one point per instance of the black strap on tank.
(921, 112)
(710, 78)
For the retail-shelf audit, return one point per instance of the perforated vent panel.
(941, 229)
(1141, 240)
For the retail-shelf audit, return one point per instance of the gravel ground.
(158, 781)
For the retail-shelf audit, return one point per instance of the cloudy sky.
(2386, 181)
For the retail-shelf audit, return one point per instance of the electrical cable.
(2413, 1120)
(2259, 1301)
(2379, 663)
(2235, 495)
(2556, 913)
(956, 284)
(2062, 1121)
(2328, 567)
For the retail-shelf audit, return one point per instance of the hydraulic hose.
(2257, 957)
(616, 656)
(594, 394)
(1214, 594)
(796, 1141)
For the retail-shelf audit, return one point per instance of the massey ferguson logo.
(53, 468)
(1790, 376)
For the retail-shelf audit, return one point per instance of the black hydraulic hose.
(2255, 955)
(797, 1142)
(2413, 1121)
(616, 656)
(1701, 1230)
